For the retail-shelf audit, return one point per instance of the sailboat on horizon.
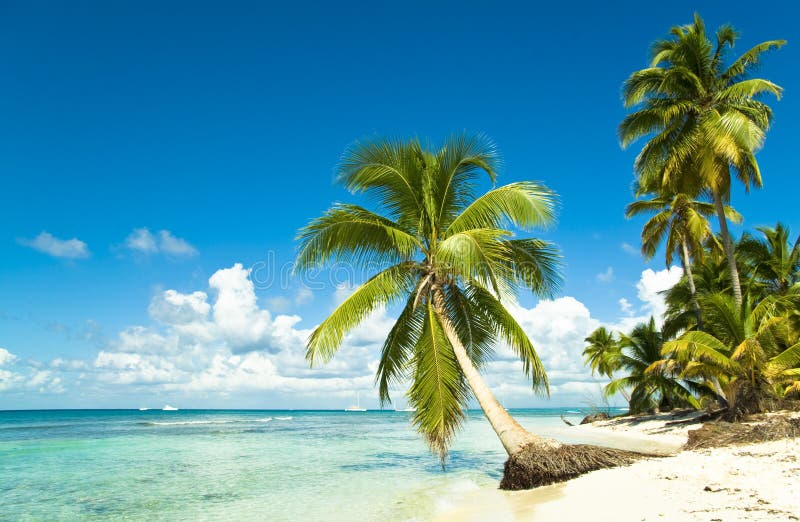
(357, 407)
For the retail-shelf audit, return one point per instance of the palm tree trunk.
(728, 244)
(687, 267)
(512, 435)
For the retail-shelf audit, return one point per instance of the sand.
(745, 482)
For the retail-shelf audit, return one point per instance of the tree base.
(539, 465)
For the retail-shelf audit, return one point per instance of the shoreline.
(756, 481)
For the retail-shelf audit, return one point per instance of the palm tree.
(682, 222)
(452, 260)
(649, 390)
(603, 354)
(704, 117)
(710, 276)
(775, 261)
(747, 353)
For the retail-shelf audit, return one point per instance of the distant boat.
(169, 408)
(143, 409)
(357, 407)
(407, 408)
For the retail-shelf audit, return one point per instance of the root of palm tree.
(758, 428)
(539, 465)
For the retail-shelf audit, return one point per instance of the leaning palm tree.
(682, 222)
(450, 257)
(704, 117)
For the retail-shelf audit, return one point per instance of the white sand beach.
(743, 482)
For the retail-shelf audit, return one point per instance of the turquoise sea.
(241, 465)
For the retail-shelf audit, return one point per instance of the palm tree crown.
(450, 256)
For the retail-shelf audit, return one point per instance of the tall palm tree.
(450, 256)
(682, 222)
(704, 117)
(750, 353)
(649, 390)
(774, 259)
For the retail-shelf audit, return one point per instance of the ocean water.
(242, 465)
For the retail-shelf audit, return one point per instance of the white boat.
(357, 407)
(167, 407)
(143, 409)
(407, 408)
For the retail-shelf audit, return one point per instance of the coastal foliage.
(449, 256)
(731, 331)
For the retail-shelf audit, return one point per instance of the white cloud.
(219, 342)
(651, 284)
(175, 246)
(29, 377)
(6, 357)
(304, 295)
(64, 248)
(142, 241)
(629, 249)
(607, 276)
(172, 307)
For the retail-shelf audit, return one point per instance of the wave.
(208, 422)
(185, 423)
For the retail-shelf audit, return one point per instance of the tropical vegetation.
(730, 337)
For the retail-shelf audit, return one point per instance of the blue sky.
(221, 125)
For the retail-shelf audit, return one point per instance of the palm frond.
(439, 391)
(381, 289)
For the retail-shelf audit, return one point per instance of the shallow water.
(240, 465)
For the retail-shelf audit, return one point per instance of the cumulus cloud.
(142, 241)
(220, 341)
(28, 377)
(46, 243)
(650, 286)
(6, 357)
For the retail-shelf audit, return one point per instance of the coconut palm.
(774, 259)
(703, 116)
(602, 354)
(748, 352)
(682, 222)
(710, 276)
(451, 258)
(649, 390)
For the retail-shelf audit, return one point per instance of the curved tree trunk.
(687, 267)
(728, 244)
(512, 435)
